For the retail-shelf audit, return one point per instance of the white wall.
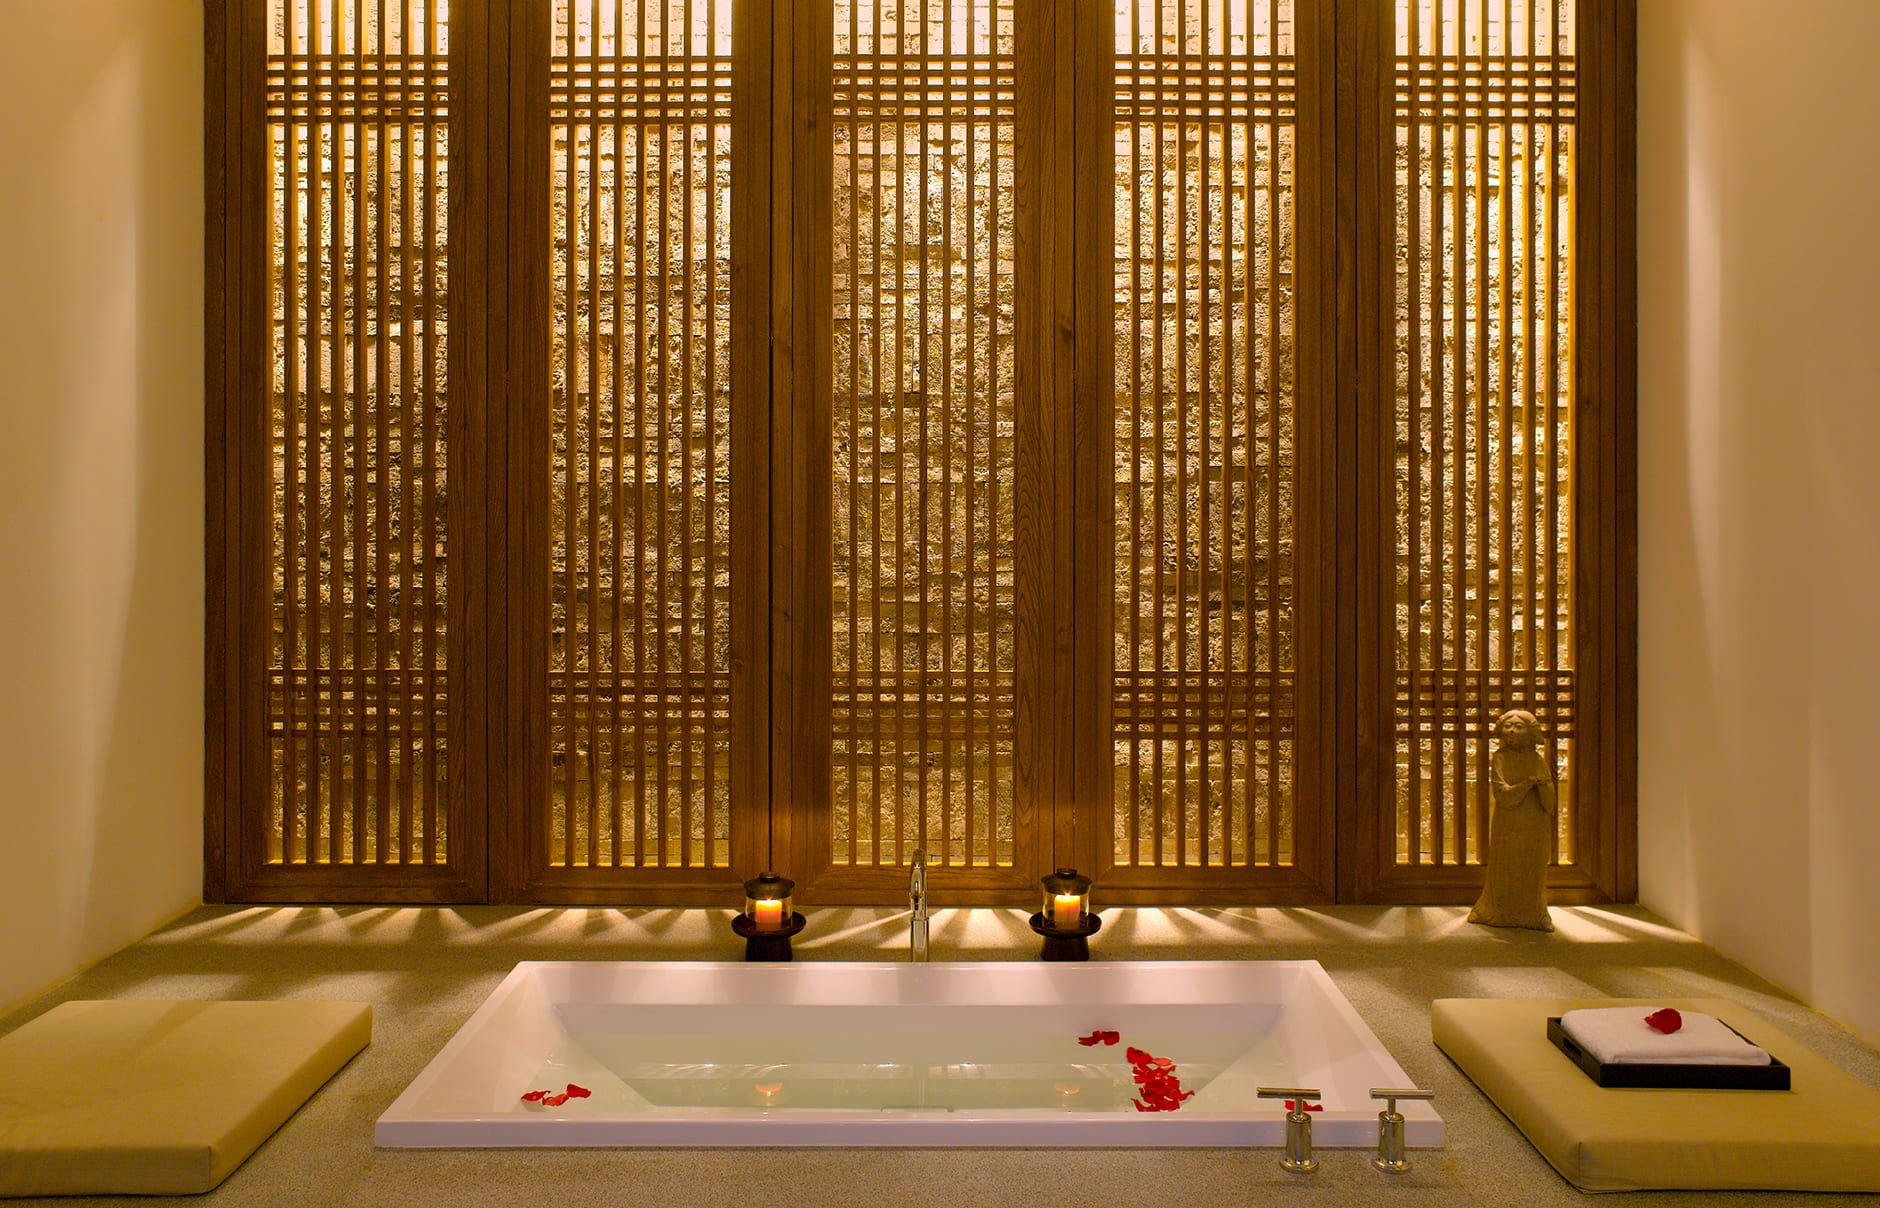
(101, 479)
(1759, 509)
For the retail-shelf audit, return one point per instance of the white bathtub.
(848, 1054)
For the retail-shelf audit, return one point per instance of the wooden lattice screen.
(923, 440)
(639, 583)
(1165, 434)
(1485, 123)
(357, 127)
(1205, 442)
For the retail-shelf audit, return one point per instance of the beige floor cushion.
(152, 1098)
(1823, 1134)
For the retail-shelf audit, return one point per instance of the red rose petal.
(1666, 1021)
(1311, 1107)
(554, 1100)
(578, 1092)
(1091, 1039)
(534, 1096)
(1111, 1037)
(1136, 1056)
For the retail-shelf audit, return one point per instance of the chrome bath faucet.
(917, 902)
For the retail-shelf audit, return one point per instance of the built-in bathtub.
(858, 1054)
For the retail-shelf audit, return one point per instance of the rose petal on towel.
(1667, 1020)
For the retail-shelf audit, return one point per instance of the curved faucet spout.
(917, 903)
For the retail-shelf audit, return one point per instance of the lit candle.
(767, 915)
(1067, 913)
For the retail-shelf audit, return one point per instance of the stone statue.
(1520, 827)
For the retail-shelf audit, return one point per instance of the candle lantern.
(1065, 920)
(769, 918)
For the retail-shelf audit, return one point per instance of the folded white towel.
(1620, 1036)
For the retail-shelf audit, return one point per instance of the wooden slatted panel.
(1204, 447)
(357, 123)
(639, 597)
(923, 431)
(1485, 111)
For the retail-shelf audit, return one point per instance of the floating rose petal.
(1666, 1021)
(554, 1100)
(1093, 1038)
(1111, 1037)
(534, 1096)
(1311, 1107)
(578, 1092)
(1136, 1056)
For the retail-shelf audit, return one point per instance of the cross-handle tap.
(917, 903)
(1298, 1157)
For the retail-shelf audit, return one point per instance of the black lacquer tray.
(1771, 1077)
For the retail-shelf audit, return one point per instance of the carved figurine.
(1520, 828)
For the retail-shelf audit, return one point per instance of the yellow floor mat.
(1823, 1134)
(159, 1098)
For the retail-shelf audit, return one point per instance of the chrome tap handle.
(917, 882)
(1390, 1127)
(917, 903)
(1298, 1157)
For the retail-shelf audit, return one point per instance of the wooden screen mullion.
(386, 679)
(849, 687)
(332, 827)
(1159, 590)
(408, 680)
(884, 749)
(708, 715)
(429, 444)
(1184, 703)
(686, 667)
(1530, 255)
(1472, 805)
(618, 674)
(1517, 687)
(564, 689)
(920, 344)
(349, 529)
(662, 328)
(597, 741)
(1551, 384)
(642, 276)
(962, 701)
(1274, 768)
(1412, 818)
(898, 397)
(292, 656)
